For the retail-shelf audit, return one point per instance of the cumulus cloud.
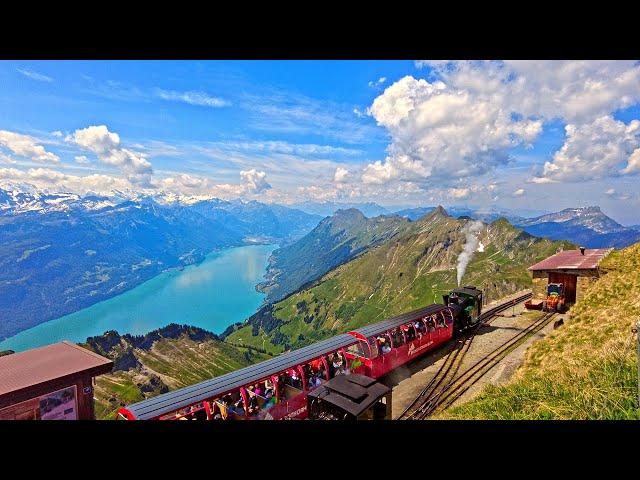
(440, 132)
(106, 145)
(254, 181)
(519, 192)
(341, 175)
(81, 159)
(35, 75)
(466, 121)
(201, 99)
(26, 146)
(603, 148)
(611, 191)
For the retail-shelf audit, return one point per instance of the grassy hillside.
(409, 271)
(335, 240)
(585, 370)
(163, 360)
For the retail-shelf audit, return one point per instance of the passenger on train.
(410, 332)
(384, 345)
(431, 324)
(295, 378)
(269, 390)
(252, 405)
(257, 389)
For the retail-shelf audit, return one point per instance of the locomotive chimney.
(446, 299)
(582, 250)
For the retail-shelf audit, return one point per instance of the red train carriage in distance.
(277, 388)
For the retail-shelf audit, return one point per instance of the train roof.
(474, 292)
(381, 327)
(169, 402)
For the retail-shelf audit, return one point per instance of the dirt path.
(409, 380)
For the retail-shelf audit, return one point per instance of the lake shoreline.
(220, 297)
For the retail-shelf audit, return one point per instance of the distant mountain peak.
(353, 213)
(439, 211)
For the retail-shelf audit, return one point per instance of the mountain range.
(412, 268)
(335, 240)
(587, 226)
(60, 253)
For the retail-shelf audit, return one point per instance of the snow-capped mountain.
(62, 252)
(589, 217)
(588, 226)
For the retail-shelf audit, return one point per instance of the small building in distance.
(573, 268)
(54, 382)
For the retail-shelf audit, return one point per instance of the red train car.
(277, 388)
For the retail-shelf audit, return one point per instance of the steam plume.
(471, 232)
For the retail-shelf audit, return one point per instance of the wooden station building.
(574, 268)
(54, 382)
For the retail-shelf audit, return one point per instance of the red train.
(277, 388)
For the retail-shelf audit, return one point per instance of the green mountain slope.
(335, 240)
(585, 370)
(411, 270)
(172, 357)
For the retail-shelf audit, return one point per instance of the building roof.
(573, 260)
(352, 393)
(23, 370)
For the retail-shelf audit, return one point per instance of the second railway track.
(447, 386)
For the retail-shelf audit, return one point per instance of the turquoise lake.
(212, 295)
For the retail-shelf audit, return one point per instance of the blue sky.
(482, 134)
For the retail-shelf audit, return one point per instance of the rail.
(431, 392)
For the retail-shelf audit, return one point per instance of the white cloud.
(35, 75)
(611, 191)
(519, 192)
(439, 132)
(466, 122)
(52, 180)
(341, 175)
(57, 133)
(193, 98)
(377, 83)
(26, 146)
(604, 148)
(359, 113)
(254, 181)
(81, 159)
(106, 145)
(459, 193)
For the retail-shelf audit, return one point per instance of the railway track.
(446, 376)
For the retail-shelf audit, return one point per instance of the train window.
(431, 323)
(373, 342)
(314, 374)
(398, 338)
(410, 332)
(421, 326)
(361, 349)
(441, 320)
(337, 364)
(231, 404)
(384, 343)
